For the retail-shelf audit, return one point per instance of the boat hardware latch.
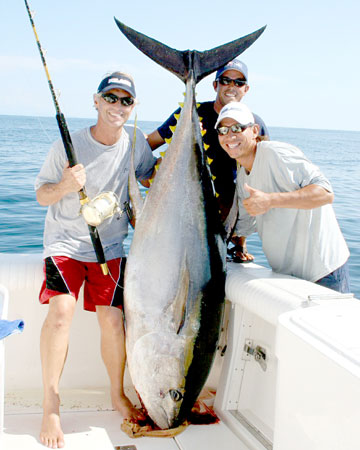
(259, 353)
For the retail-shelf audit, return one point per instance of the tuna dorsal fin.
(184, 62)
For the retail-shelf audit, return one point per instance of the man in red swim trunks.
(104, 151)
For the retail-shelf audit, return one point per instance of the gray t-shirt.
(305, 243)
(107, 168)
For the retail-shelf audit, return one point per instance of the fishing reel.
(100, 208)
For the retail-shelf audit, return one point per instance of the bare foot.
(51, 434)
(123, 405)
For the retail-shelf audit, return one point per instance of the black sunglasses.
(225, 81)
(112, 98)
(236, 128)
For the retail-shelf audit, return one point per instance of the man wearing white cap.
(103, 151)
(287, 200)
(230, 85)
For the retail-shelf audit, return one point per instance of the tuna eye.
(175, 395)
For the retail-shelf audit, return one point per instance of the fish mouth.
(166, 418)
(162, 419)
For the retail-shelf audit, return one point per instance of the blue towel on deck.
(10, 327)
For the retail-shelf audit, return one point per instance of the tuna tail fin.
(182, 63)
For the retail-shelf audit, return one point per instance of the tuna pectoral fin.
(182, 63)
(177, 308)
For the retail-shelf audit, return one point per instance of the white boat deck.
(89, 423)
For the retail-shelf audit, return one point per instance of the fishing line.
(115, 282)
(42, 127)
(126, 207)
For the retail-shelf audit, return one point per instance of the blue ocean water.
(24, 142)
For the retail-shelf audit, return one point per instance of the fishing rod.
(69, 149)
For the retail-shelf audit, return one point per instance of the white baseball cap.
(237, 111)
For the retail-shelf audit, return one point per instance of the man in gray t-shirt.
(287, 200)
(104, 151)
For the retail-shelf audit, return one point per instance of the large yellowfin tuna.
(175, 273)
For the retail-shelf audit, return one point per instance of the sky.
(303, 71)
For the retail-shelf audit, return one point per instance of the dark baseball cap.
(117, 80)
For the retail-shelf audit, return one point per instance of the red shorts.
(64, 275)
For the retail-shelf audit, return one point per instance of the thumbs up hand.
(258, 203)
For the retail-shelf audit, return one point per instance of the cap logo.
(119, 80)
(233, 63)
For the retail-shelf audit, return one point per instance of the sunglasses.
(225, 81)
(236, 128)
(112, 98)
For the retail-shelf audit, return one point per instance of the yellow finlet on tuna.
(177, 116)
(173, 128)
(162, 154)
(206, 146)
(209, 160)
(168, 140)
(181, 104)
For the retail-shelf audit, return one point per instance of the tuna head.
(161, 361)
